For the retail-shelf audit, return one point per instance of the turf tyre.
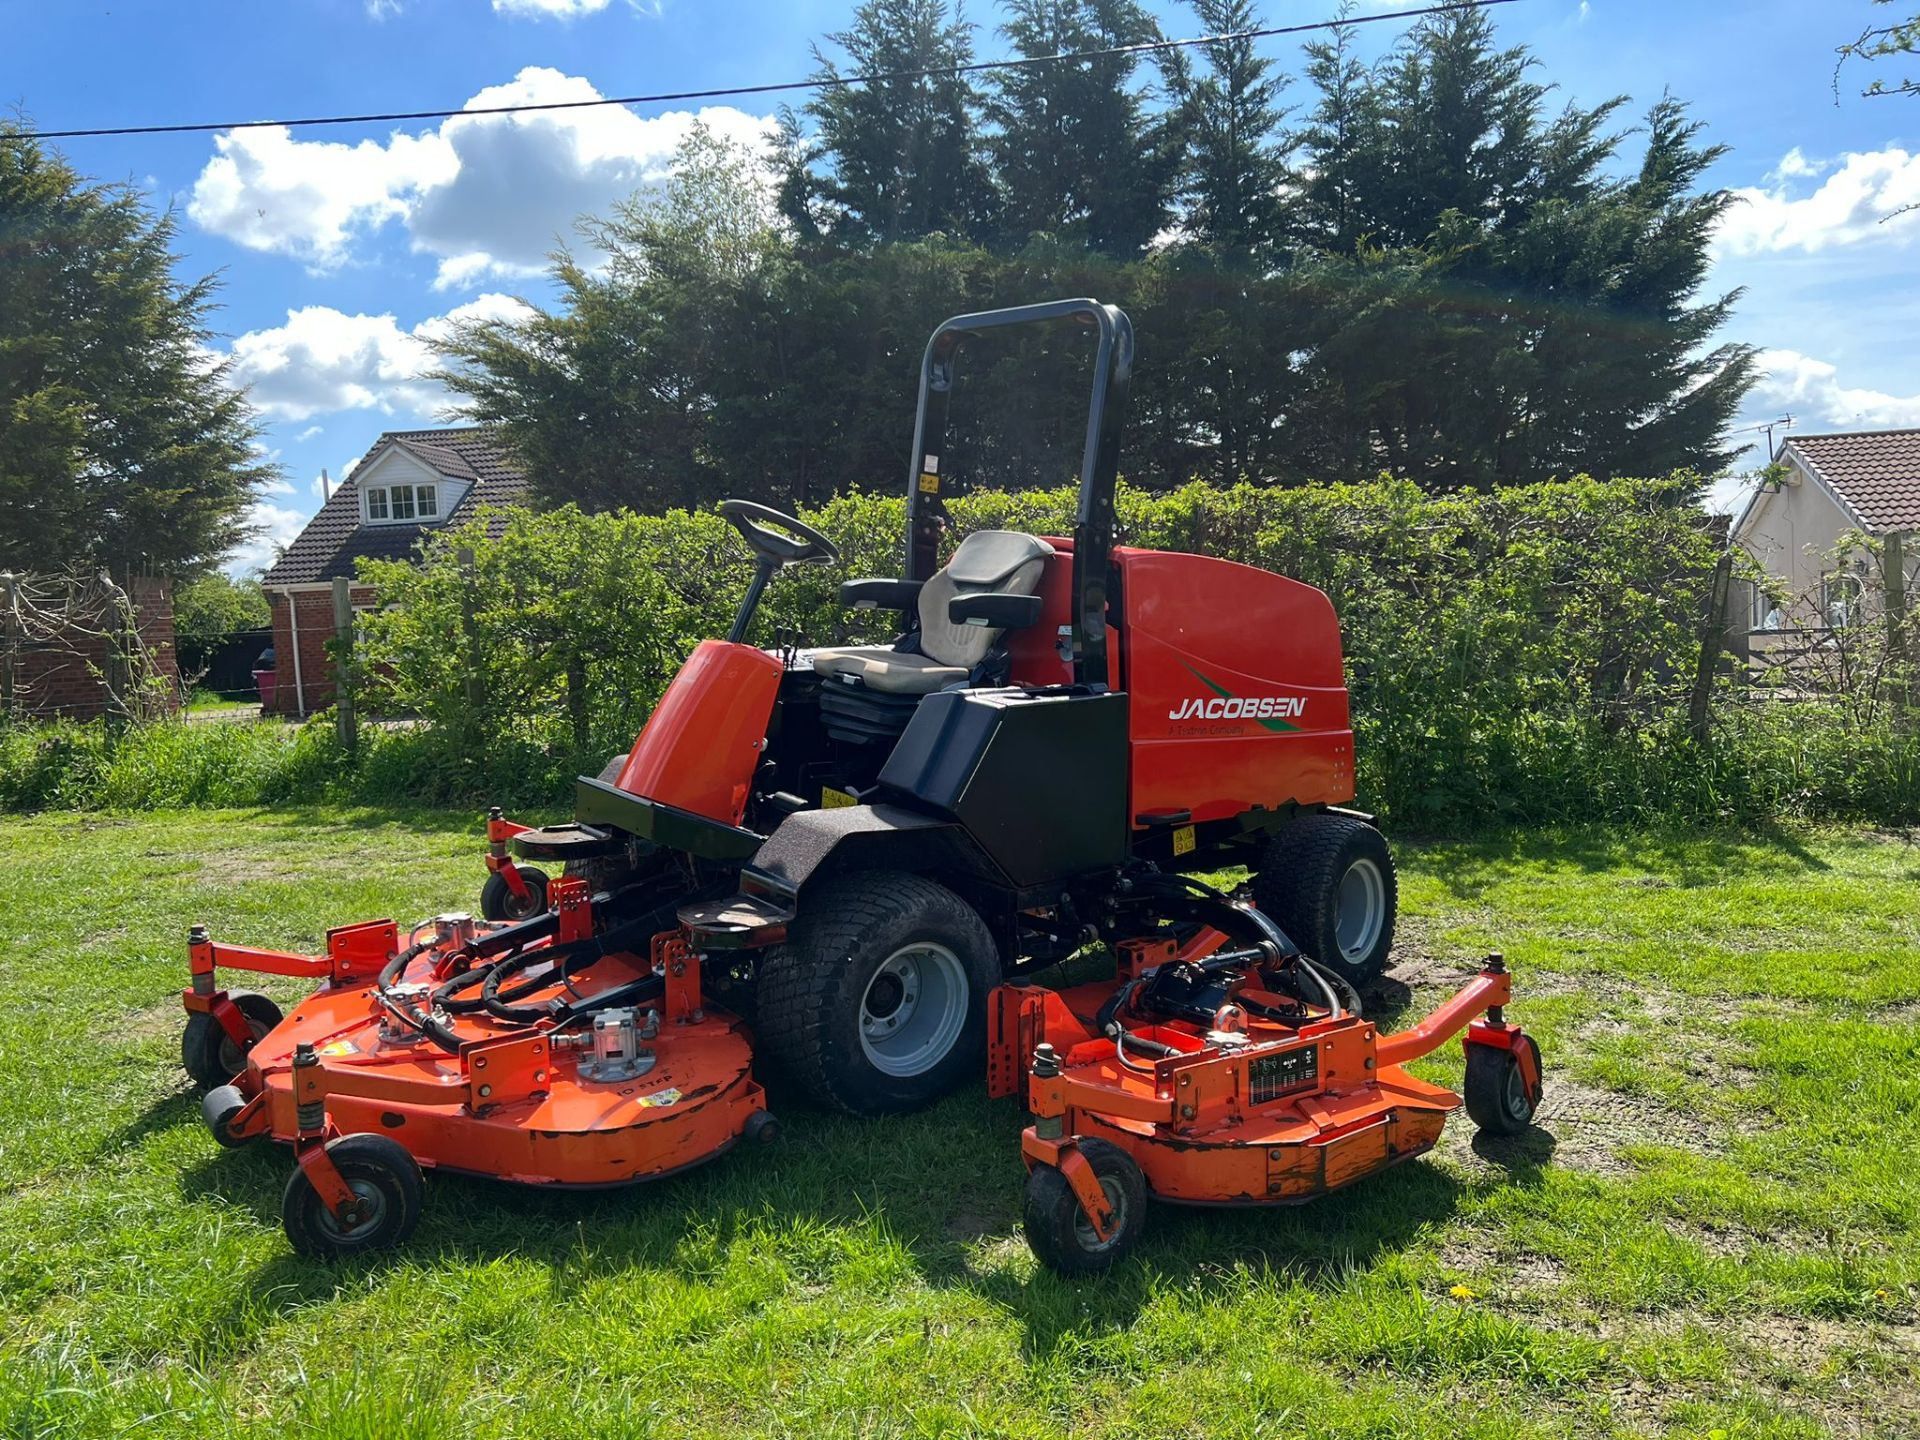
(815, 990)
(1058, 1231)
(1311, 876)
(208, 1053)
(385, 1176)
(218, 1107)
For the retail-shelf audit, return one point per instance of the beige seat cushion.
(882, 668)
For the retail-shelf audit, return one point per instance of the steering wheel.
(801, 544)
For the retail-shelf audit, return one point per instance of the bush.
(1523, 655)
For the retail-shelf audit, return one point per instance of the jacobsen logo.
(1272, 711)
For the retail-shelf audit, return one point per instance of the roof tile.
(1876, 474)
(334, 539)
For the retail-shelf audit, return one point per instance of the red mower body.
(698, 750)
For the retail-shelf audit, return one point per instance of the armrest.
(880, 594)
(1007, 612)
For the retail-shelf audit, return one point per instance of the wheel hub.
(1361, 910)
(913, 1009)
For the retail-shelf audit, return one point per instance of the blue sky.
(341, 248)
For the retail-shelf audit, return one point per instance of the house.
(1823, 488)
(408, 484)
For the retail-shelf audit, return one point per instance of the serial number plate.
(1272, 1076)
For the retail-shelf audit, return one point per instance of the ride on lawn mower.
(871, 851)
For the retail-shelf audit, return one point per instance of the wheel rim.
(913, 1009)
(1084, 1234)
(518, 907)
(1362, 912)
(1514, 1091)
(373, 1212)
(232, 1058)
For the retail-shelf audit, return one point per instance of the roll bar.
(1099, 458)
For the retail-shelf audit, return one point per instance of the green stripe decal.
(1278, 726)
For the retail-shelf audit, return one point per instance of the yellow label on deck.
(1183, 840)
(832, 799)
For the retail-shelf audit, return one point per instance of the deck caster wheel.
(385, 1180)
(208, 1052)
(761, 1129)
(1058, 1229)
(498, 902)
(1498, 1099)
(218, 1107)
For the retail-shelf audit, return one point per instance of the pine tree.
(121, 442)
(1074, 151)
(898, 157)
(1229, 120)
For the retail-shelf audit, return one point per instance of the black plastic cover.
(1037, 778)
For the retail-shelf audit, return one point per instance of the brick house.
(408, 483)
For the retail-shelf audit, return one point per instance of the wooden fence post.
(1901, 646)
(1712, 638)
(346, 722)
(9, 639)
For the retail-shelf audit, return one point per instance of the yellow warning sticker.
(659, 1098)
(1183, 840)
(832, 799)
(929, 483)
(340, 1047)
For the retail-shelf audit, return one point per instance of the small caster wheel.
(1058, 1229)
(208, 1052)
(761, 1129)
(385, 1180)
(218, 1107)
(498, 902)
(1498, 1099)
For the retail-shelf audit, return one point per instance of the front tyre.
(1498, 1099)
(876, 1001)
(1328, 880)
(209, 1054)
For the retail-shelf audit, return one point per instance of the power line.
(832, 82)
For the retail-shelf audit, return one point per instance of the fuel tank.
(699, 749)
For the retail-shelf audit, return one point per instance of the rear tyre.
(498, 902)
(1498, 1101)
(1329, 882)
(382, 1175)
(1058, 1230)
(208, 1053)
(877, 1000)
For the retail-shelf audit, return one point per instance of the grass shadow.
(1695, 859)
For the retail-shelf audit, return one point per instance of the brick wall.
(315, 617)
(67, 678)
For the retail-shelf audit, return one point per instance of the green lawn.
(1715, 1231)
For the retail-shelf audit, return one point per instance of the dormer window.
(401, 504)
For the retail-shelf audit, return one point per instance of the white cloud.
(550, 9)
(1859, 200)
(277, 487)
(1810, 389)
(276, 526)
(308, 434)
(324, 360)
(485, 195)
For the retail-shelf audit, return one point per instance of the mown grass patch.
(1713, 1231)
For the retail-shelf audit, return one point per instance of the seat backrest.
(987, 562)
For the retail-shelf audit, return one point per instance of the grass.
(1715, 1231)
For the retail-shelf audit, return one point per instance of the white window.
(427, 500)
(376, 504)
(397, 503)
(402, 502)
(1843, 598)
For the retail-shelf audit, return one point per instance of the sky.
(342, 250)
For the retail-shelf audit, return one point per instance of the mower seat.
(987, 562)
